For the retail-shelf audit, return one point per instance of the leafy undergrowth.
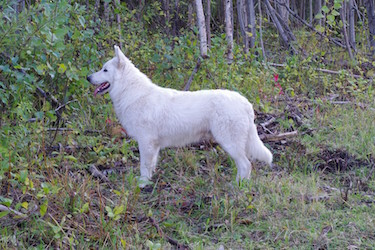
(68, 176)
(318, 194)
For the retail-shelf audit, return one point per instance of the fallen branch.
(48, 96)
(317, 69)
(197, 66)
(266, 123)
(169, 239)
(278, 137)
(4, 208)
(97, 173)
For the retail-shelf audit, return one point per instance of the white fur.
(159, 117)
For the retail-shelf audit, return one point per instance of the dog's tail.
(256, 149)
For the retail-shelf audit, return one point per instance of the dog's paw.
(143, 182)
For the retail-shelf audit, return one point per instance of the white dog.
(159, 117)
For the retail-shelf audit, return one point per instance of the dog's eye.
(105, 70)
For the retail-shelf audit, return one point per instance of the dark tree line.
(241, 20)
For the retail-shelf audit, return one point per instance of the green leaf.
(337, 5)
(82, 21)
(6, 201)
(109, 211)
(319, 16)
(319, 28)
(70, 158)
(62, 68)
(25, 204)
(331, 18)
(325, 9)
(335, 13)
(118, 210)
(3, 213)
(85, 208)
(43, 208)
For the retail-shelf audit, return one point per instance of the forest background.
(68, 171)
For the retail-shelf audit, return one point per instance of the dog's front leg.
(149, 155)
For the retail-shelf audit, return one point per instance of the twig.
(278, 137)
(48, 96)
(317, 69)
(97, 173)
(197, 66)
(63, 105)
(4, 208)
(266, 123)
(59, 129)
(169, 239)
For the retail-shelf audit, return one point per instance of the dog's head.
(107, 76)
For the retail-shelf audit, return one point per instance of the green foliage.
(44, 174)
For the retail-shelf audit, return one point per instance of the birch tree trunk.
(190, 16)
(229, 29)
(260, 30)
(318, 9)
(118, 19)
(251, 21)
(208, 22)
(371, 24)
(242, 20)
(282, 32)
(343, 18)
(283, 11)
(201, 28)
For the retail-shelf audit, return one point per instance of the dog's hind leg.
(242, 162)
(149, 154)
(236, 147)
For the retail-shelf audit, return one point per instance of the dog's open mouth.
(102, 88)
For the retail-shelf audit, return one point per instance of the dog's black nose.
(88, 78)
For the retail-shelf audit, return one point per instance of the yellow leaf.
(25, 204)
(123, 243)
(62, 68)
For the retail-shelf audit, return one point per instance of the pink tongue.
(96, 91)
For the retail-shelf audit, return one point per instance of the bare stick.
(97, 173)
(197, 66)
(4, 208)
(278, 137)
(317, 69)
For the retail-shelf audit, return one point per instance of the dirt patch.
(338, 160)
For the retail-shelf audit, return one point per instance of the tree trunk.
(260, 30)
(283, 10)
(279, 26)
(202, 28)
(106, 11)
(190, 16)
(175, 18)
(371, 24)
(242, 20)
(251, 21)
(208, 23)
(311, 11)
(118, 19)
(318, 9)
(351, 24)
(229, 29)
(343, 19)
(167, 16)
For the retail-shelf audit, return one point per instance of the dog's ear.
(120, 56)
